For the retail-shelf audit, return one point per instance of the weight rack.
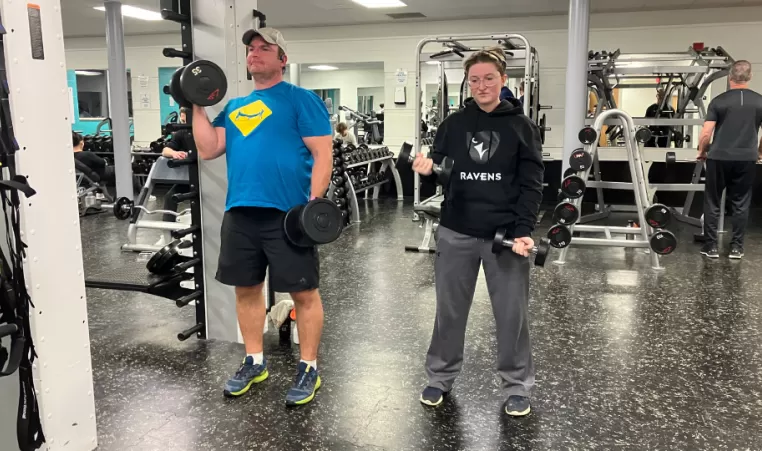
(638, 186)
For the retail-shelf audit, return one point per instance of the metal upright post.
(295, 75)
(576, 76)
(118, 105)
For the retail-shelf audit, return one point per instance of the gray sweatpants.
(458, 260)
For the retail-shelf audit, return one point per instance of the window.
(92, 94)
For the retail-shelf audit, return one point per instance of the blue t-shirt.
(268, 163)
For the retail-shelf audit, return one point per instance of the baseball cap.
(270, 35)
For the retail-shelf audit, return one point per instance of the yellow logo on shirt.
(249, 117)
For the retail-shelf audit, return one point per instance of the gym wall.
(143, 59)
(654, 31)
(347, 81)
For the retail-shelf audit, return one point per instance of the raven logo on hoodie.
(482, 145)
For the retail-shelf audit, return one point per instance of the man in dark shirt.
(733, 119)
(659, 134)
(177, 149)
(91, 160)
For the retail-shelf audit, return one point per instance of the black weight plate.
(588, 135)
(643, 135)
(321, 221)
(338, 181)
(123, 208)
(497, 242)
(404, 154)
(565, 213)
(446, 170)
(573, 187)
(175, 90)
(542, 252)
(569, 171)
(671, 157)
(293, 229)
(580, 160)
(203, 83)
(663, 242)
(658, 216)
(559, 236)
(165, 259)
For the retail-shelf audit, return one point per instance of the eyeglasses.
(488, 82)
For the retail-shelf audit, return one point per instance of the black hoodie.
(498, 172)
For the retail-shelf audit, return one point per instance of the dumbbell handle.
(510, 243)
(436, 168)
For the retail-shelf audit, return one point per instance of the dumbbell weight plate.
(565, 213)
(568, 172)
(587, 135)
(203, 83)
(543, 248)
(573, 187)
(580, 160)
(658, 216)
(643, 135)
(339, 192)
(163, 261)
(321, 221)
(663, 242)
(123, 208)
(559, 236)
(176, 91)
(340, 202)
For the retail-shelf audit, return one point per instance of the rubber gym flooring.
(626, 358)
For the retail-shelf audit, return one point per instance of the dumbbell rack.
(638, 186)
(387, 163)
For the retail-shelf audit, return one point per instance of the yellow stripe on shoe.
(430, 403)
(261, 378)
(308, 399)
(522, 413)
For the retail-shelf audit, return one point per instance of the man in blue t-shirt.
(277, 142)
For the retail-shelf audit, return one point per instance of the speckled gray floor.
(626, 358)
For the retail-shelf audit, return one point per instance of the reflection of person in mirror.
(96, 164)
(182, 140)
(659, 135)
(344, 134)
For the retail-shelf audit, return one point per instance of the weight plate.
(588, 135)
(643, 135)
(123, 208)
(565, 213)
(658, 216)
(176, 91)
(663, 242)
(542, 252)
(568, 172)
(671, 157)
(559, 236)
(293, 229)
(445, 171)
(497, 242)
(404, 154)
(165, 259)
(573, 187)
(203, 83)
(580, 160)
(321, 221)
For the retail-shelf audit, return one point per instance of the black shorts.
(252, 239)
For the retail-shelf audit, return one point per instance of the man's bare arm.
(321, 148)
(706, 136)
(210, 141)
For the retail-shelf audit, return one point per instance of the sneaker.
(736, 252)
(246, 376)
(306, 384)
(710, 250)
(517, 406)
(432, 396)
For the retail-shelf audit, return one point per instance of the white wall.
(377, 93)
(346, 81)
(660, 31)
(143, 57)
(394, 44)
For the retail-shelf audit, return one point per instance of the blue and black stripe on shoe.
(306, 383)
(246, 376)
(432, 396)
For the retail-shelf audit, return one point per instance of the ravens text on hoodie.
(497, 174)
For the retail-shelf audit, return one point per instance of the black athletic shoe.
(517, 406)
(710, 250)
(432, 396)
(736, 252)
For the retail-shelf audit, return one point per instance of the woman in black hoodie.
(496, 182)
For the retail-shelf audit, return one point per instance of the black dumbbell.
(573, 186)
(587, 135)
(658, 216)
(643, 135)
(337, 162)
(341, 203)
(443, 170)
(663, 242)
(339, 192)
(580, 160)
(565, 213)
(560, 236)
(540, 251)
(337, 181)
(336, 152)
(337, 171)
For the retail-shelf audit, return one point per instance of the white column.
(576, 76)
(118, 100)
(295, 75)
(50, 227)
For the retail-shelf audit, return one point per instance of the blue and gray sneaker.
(246, 376)
(517, 406)
(306, 384)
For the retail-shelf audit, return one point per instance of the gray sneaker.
(710, 250)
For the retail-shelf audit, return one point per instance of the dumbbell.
(565, 213)
(443, 170)
(336, 152)
(587, 135)
(662, 242)
(339, 192)
(337, 171)
(559, 236)
(337, 162)
(337, 181)
(340, 202)
(643, 135)
(337, 144)
(580, 160)
(540, 251)
(573, 187)
(658, 216)
(201, 83)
